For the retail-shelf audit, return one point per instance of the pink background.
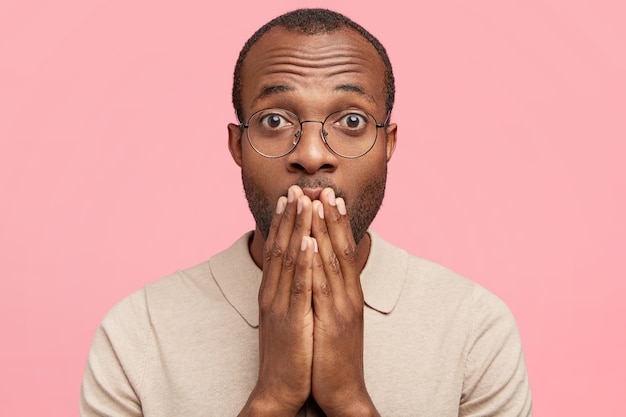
(509, 169)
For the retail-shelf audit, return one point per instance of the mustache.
(320, 182)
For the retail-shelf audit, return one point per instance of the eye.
(273, 121)
(352, 121)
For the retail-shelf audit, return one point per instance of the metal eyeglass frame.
(323, 132)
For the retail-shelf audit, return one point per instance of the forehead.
(286, 63)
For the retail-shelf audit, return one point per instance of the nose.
(311, 154)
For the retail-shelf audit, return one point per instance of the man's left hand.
(338, 383)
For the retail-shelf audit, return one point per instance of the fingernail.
(299, 206)
(341, 206)
(320, 211)
(331, 198)
(314, 244)
(304, 243)
(280, 206)
(290, 195)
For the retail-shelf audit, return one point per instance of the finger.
(301, 290)
(340, 234)
(329, 259)
(301, 229)
(275, 249)
(270, 281)
(322, 293)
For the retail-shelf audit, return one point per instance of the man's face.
(313, 76)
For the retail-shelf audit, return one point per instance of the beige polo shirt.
(436, 344)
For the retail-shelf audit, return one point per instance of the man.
(311, 313)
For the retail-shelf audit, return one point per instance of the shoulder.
(475, 320)
(172, 300)
(448, 284)
(169, 290)
(432, 288)
(162, 304)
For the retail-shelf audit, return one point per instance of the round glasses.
(349, 133)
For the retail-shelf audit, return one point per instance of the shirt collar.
(239, 278)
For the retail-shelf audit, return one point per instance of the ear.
(390, 144)
(234, 142)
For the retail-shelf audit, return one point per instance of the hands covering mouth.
(311, 309)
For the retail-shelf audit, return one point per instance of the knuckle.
(335, 217)
(287, 215)
(298, 288)
(333, 263)
(275, 251)
(288, 261)
(351, 253)
(303, 264)
(274, 311)
(324, 289)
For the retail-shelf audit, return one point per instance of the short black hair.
(313, 22)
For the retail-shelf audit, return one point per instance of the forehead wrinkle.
(300, 71)
(315, 56)
(316, 62)
(278, 89)
(285, 67)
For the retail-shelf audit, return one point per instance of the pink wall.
(510, 169)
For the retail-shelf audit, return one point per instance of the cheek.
(363, 180)
(371, 165)
(254, 164)
(264, 175)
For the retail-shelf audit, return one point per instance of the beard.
(361, 210)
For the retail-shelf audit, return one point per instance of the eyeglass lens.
(276, 132)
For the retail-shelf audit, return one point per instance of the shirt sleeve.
(116, 362)
(495, 381)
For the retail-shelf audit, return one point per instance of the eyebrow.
(271, 90)
(355, 89)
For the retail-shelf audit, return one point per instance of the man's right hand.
(285, 311)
